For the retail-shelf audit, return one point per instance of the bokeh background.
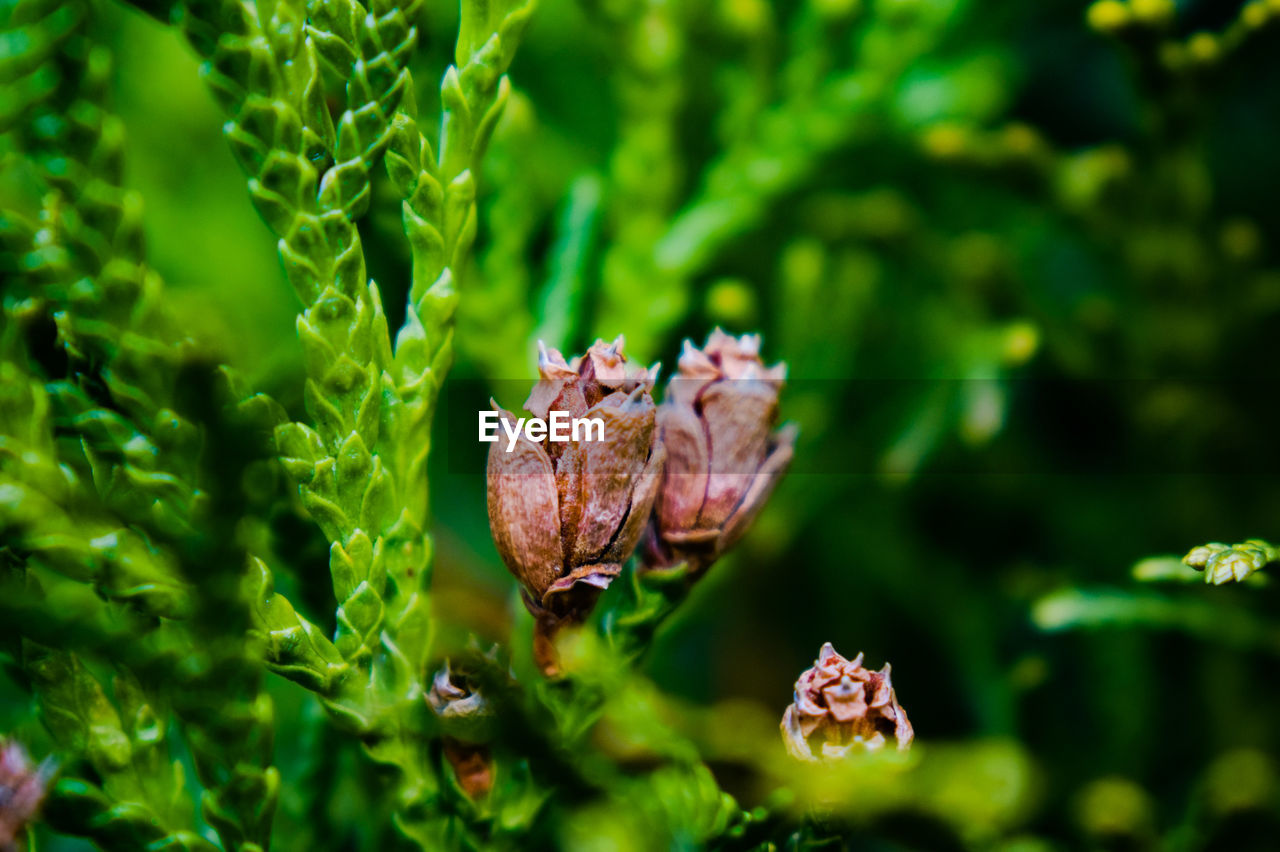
(1019, 260)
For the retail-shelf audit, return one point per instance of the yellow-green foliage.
(1017, 258)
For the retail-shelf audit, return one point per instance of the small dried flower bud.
(1222, 563)
(566, 515)
(463, 711)
(722, 460)
(466, 718)
(22, 790)
(841, 707)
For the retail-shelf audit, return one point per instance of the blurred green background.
(1019, 260)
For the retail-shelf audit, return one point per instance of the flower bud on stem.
(566, 516)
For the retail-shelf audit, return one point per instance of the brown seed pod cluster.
(694, 473)
(690, 476)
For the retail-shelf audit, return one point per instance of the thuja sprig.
(310, 181)
(361, 469)
(50, 513)
(139, 799)
(438, 187)
(122, 455)
(131, 462)
(360, 464)
(84, 261)
(78, 267)
(1223, 563)
(439, 215)
(200, 668)
(267, 75)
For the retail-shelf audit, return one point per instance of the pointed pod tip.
(636, 396)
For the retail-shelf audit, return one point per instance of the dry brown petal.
(609, 472)
(572, 490)
(587, 580)
(883, 693)
(643, 495)
(794, 737)
(845, 700)
(738, 418)
(829, 655)
(902, 730)
(695, 372)
(761, 486)
(807, 706)
(606, 365)
(558, 387)
(808, 724)
(685, 487)
(733, 354)
(524, 512)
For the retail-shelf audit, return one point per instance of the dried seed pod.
(566, 515)
(463, 711)
(465, 716)
(841, 707)
(723, 460)
(23, 786)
